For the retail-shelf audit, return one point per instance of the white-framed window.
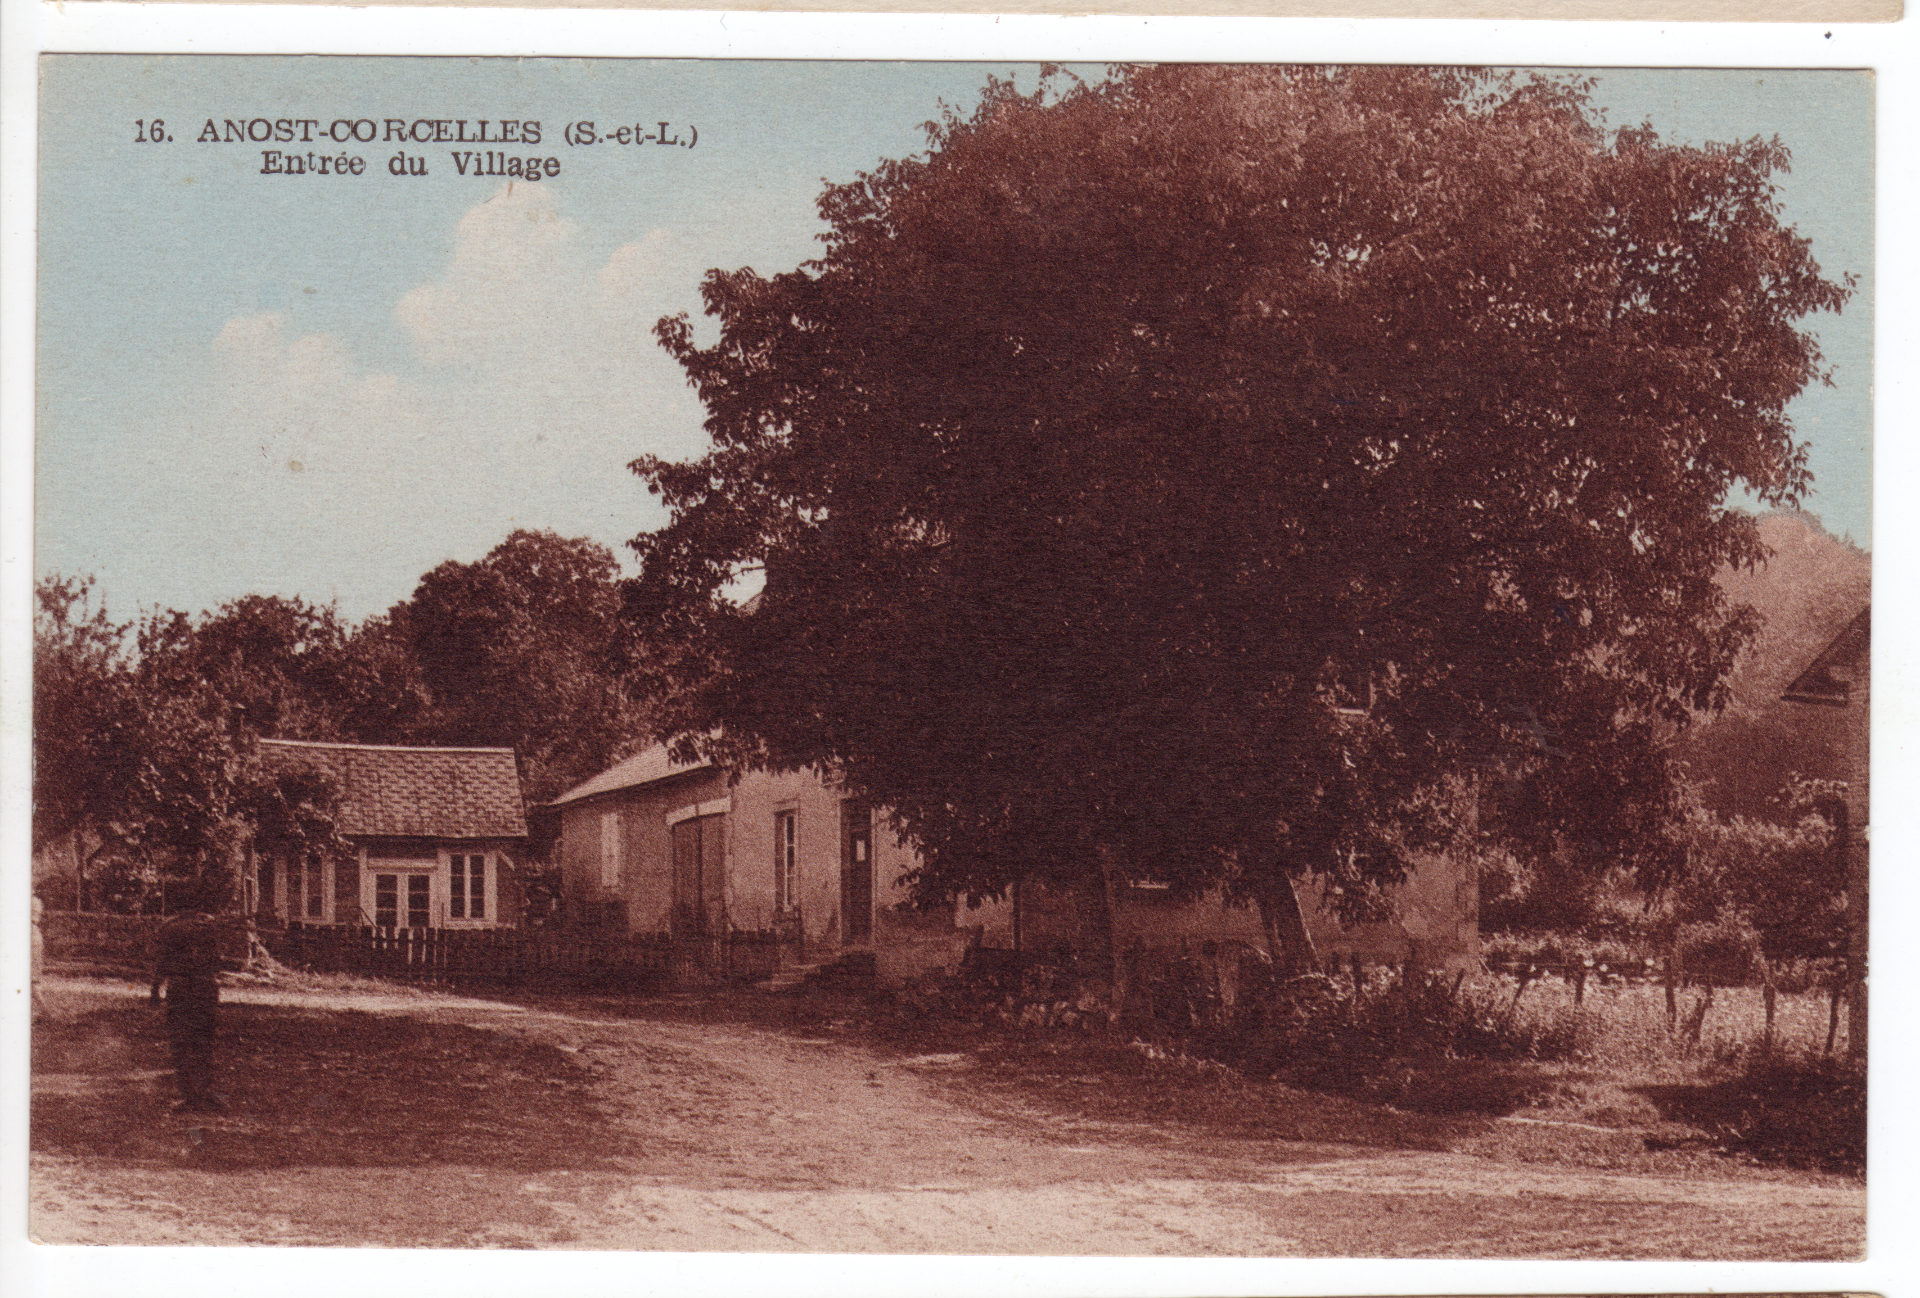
(609, 849)
(786, 860)
(467, 885)
(306, 894)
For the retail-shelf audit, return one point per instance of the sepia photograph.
(1175, 660)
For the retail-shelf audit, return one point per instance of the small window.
(467, 897)
(786, 859)
(306, 888)
(609, 849)
(419, 901)
(386, 900)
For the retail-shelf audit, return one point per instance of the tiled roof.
(388, 792)
(641, 768)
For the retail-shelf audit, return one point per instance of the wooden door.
(699, 856)
(402, 899)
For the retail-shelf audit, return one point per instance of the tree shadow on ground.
(318, 1088)
(1799, 1113)
(1425, 1103)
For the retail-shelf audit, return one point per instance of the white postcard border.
(1893, 1264)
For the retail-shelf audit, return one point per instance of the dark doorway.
(856, 872)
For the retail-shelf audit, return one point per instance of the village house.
(437, 840)
(653, 846)
(1839, 680)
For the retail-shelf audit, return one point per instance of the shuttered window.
(609, 849)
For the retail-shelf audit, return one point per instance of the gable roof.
(1828, 678)
(642, 768)
(389, 792)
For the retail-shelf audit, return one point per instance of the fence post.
(1673, 1004)
(1580, 985)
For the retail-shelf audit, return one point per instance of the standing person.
(187, 960)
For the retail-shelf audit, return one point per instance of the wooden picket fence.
(530, 957)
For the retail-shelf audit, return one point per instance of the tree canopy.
(146, 734)
(145, 754)
(1207, 468)
(525, 648)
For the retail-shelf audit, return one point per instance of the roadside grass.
(1778, 1097)
(1480, 1063)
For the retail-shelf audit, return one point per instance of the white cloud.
(535, 379)
(513, 279)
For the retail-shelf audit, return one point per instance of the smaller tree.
(79, 667)
(1787, 882)
(147, 758)
(79, 661)
(280, 664)
(525, 648)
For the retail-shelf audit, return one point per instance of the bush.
(1313, 1031)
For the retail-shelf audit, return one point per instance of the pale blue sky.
(324, 386)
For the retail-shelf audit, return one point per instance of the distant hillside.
(1805, 594)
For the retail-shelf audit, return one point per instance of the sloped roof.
(641, 768)
(388, 792)
(1819, 683)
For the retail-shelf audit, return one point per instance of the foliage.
(1553, 892)
(1809, 588)
(281, 665)
(1753, 890)
(145, 736)
(78, 667)
(1194, 474)
(149, 751)
(1313, 1028)
(527, 648)
(1792, 1107)
(1785, 883)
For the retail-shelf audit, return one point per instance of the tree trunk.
(1288, 942)
(79, 871)
(1116, 957)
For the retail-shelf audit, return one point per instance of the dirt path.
(589, 1131)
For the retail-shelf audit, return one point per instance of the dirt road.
(446, 1122)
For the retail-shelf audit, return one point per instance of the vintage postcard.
(711, 656)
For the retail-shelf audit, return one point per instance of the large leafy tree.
(282, 665)
(1202, 471)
